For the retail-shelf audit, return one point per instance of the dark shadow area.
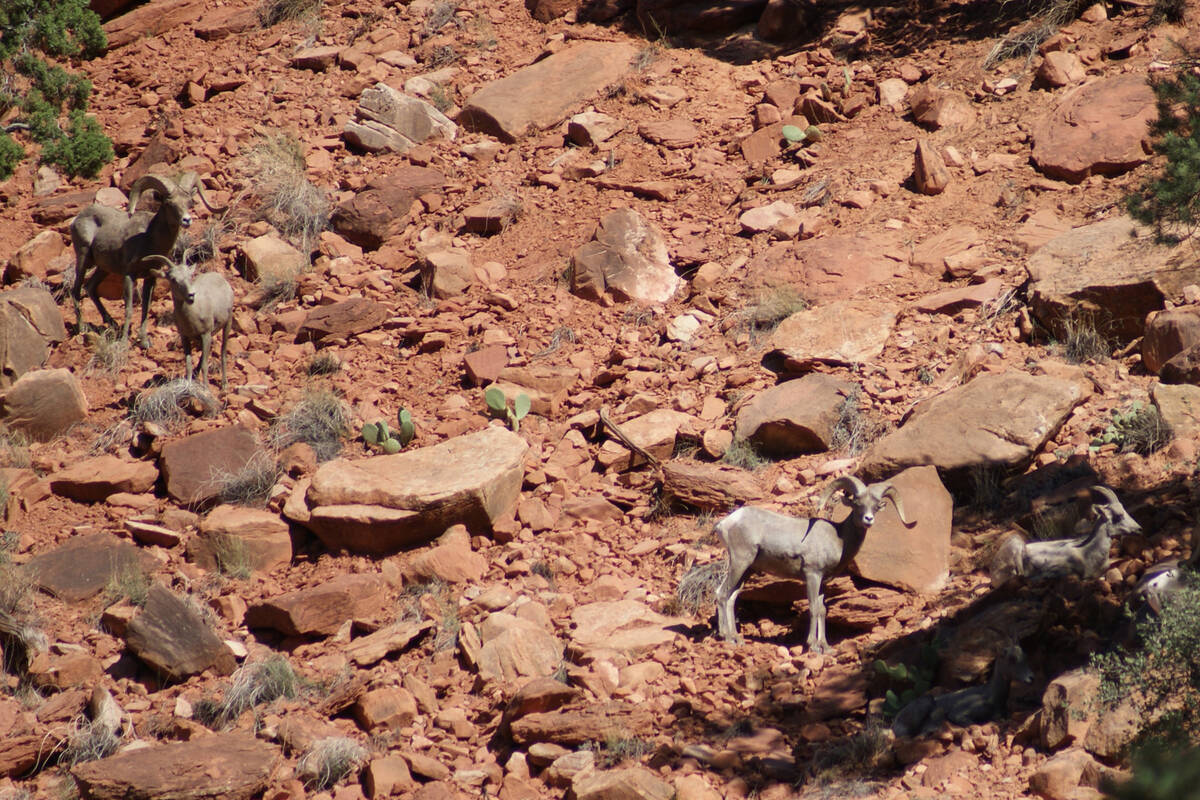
(734, 31)
(834, 733)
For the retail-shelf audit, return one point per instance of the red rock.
(387, 707)
(151, 20)
(94, 479)
(344, 319)
(543, 94)
(386, 776)
(929, 170)
(796, 416)
(1097, 129)
(44, 403)
(380, 210)
(915, 558)
(952, 301)
(232, 766)
(939, 109)
(671, 133)
(483, 366)
(318, 610)
(261, 538)
(1169, 333)
(189, 465)
(83, 565)
(169, 635)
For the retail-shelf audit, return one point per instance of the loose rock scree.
(1085, 557)
(203, 303)
(760, 540)
(113, 241)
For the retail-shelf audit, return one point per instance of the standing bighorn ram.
(760, 540)
(117, 242)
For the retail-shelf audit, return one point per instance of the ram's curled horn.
(190, 183)
(891, 492)
(155, 258)
(1106, 493)
(163, 186)
(852, 486)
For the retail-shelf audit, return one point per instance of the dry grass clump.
(252, 484)
(1045, 18)
(232, 557)
(855, 430)
(110, 353)
(742, 453)
(129, 582)
(89, 740)
(769, 308)
(698, 586)
(324, 363)
(272, 12)
(1084, 339)
(164, 404)
(255, 683)
(320, 419)
(287, 199)
(330, 761)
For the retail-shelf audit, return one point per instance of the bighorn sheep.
(1164, 579)
(1085, 557)
(117, 242)
(759, 540)
(203, 303)
(971, 706)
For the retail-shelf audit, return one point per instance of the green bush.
(11, 154)
(59, 29)
(1161, 677)
(83, 150)
(56, 27)
(1170, 201)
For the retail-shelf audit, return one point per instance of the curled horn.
(890, 492)
(1106, 494)
(160, 259)
(849, 484)
(190, 182)
(160, 185)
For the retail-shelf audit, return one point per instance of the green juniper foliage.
(1161, 678)
(63, 29)
(1171, 200)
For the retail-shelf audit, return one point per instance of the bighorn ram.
(1085, 557)
(117, 242)
(759, 540)
(203, 303)
(971, 706)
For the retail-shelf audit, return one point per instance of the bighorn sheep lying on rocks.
(1085, 557)
(1163, 580)
(203, 303)
(117, 242)
(759, 540)
(971, 706)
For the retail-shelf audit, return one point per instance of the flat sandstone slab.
(545, 93)
(384, 503)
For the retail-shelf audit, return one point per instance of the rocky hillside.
(716, 266)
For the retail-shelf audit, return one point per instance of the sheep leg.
(205, 344)
(127, 281)
(224, 347)
(816, 612)
(147, 293)
(82, 262)
(93, 290)
(187, 355)
(727, 594)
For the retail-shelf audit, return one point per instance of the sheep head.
(178, 275)
(175, 202)
(866, 501)
(1106, 505)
